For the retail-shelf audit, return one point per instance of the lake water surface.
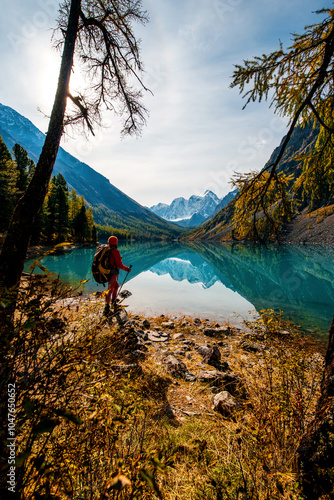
(215, 281)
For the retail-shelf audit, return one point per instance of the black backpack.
(101, 266)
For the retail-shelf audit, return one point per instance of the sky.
(197, 134)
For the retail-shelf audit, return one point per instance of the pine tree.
(74, 205)
(8, 190)
(58, 209)
(80, 224)
(63, 208)
(22, 163)
(31, 169)
(90, 224)
(94, 234)
(51, 201)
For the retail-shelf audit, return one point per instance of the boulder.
(174, 366)
(225, 403)
(130, 323)
(210, 376)
(189, 342)
(146, 323)
(202, 349)
(229, 381)
(212, 357)
(251, 346)
(216, 332)
(178, 336)
(157, 336)
(189, 377)
(167, 324)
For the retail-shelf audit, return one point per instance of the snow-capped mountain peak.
(209, 194)
(180, 208)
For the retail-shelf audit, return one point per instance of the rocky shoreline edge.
(37, 251)
(190, 351)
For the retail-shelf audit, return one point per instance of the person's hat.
(112, 240)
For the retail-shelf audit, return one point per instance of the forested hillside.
(110, 206)
(64, 215)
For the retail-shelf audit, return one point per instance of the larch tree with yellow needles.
(298, 82)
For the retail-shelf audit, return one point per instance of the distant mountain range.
(193, 211)
(110, 206)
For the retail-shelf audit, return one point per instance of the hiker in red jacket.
(116, 265)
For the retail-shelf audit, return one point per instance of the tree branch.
(83, 110)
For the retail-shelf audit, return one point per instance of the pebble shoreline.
(189, 351)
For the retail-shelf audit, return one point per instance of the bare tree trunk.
(17, 240)
(316, 452)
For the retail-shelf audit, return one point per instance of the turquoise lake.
(223, 282)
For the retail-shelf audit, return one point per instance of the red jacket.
(116, 260)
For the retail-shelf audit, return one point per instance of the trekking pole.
(120, 288)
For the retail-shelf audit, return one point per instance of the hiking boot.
(106, 310)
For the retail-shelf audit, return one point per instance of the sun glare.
(46, 74)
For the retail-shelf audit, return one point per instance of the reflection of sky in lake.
(154, 294)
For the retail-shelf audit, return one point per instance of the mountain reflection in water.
(230, 278)
(187, 266)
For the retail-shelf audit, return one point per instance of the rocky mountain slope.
(315, 227)
(225, 201)
(110, 205)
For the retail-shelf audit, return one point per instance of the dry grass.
(322, 213)
(139, 433)
(252, 454)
